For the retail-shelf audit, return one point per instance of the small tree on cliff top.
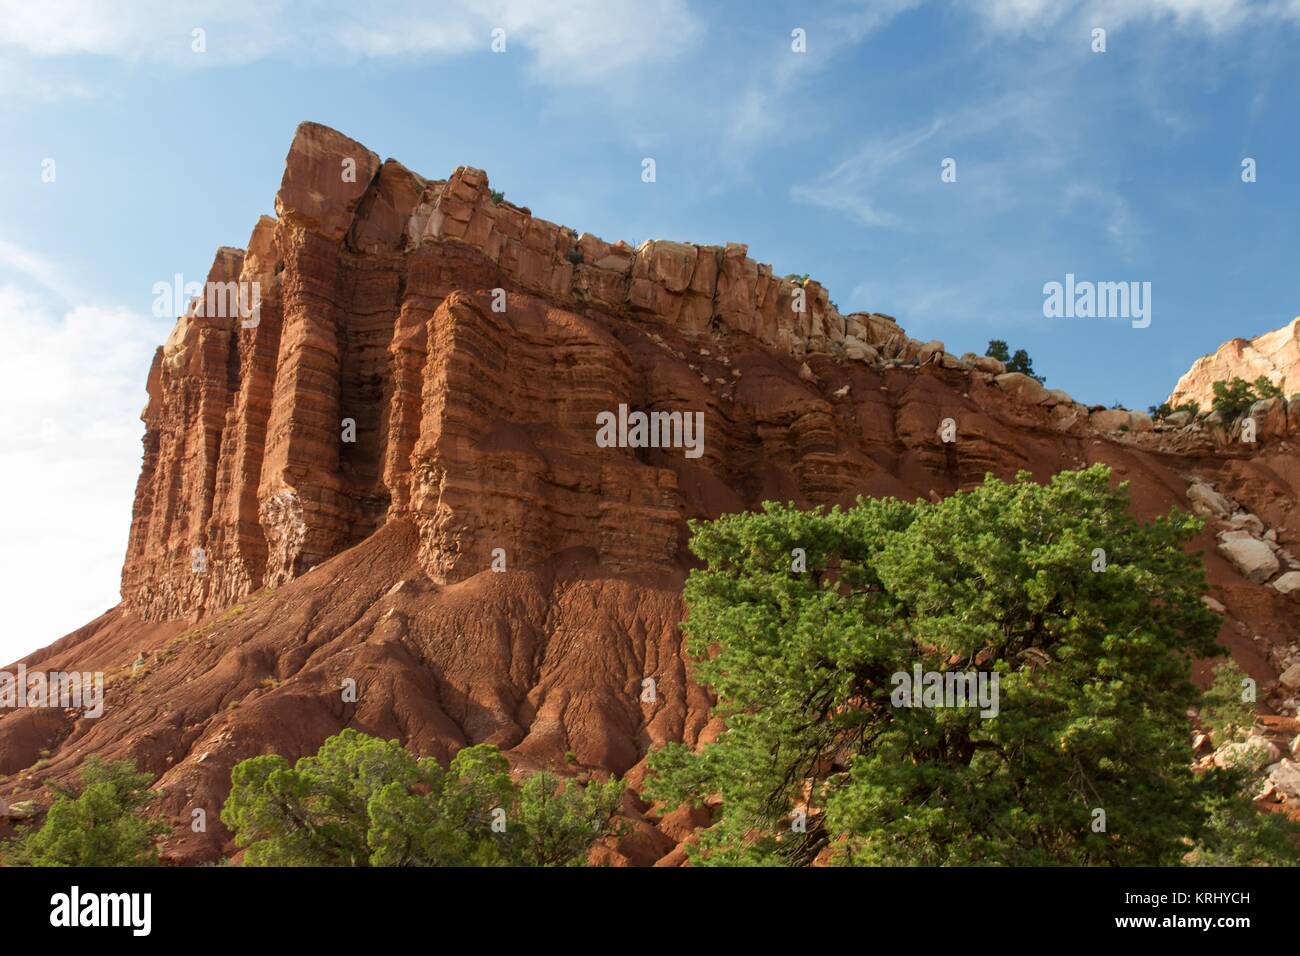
(1020, 362)
(1093, 666)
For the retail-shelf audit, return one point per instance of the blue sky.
(1115, 166)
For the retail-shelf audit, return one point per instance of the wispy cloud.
(26, 265)
(992, 141)
(768, 100)
(569, 42)
(1121, 227)
(857, 183)
(1214, 16)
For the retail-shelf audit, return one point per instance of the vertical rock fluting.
(415, 398)
(247, 479)
(190, 391)
(236, 544)
(380, 379)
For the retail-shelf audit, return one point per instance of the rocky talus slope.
(388, 474)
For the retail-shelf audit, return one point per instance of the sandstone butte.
(371, 560)
(1274, 355)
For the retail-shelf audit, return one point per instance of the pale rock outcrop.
(1275, 355)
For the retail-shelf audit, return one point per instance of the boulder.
(1252, 557)
(869, 354)
(668, 264)
(1066, 417)
(948, 360)
(22, 810)
(986, 363)
(930, 351)
(1214, 605)
(879, 330)
(325, 176)
(1245, 521)
(1206, 501)
(1140, 422)
(859, 351)
(1290, 678)
(1285, 776)
(1021, 386)
(1110, 419)
(1288, 583)
(1255, 749)
(1270, 417)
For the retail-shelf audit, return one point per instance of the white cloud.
(1019, 14)
(574, 42)
(1114, 212)
(1214, 16)
(71, 387)
(855, 184)
(35, 269)
(904, 168)
(767, 104)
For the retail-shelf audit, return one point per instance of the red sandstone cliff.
(270, 560)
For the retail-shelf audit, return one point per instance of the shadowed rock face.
(469, 347)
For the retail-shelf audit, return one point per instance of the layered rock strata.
(387, 473)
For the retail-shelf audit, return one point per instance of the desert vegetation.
(800, 622)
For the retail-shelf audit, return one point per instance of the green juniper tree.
(102, 824)
(1233, 398)
(1225, 710)
(1093, 666)
(1019, 362)
(361, 801)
